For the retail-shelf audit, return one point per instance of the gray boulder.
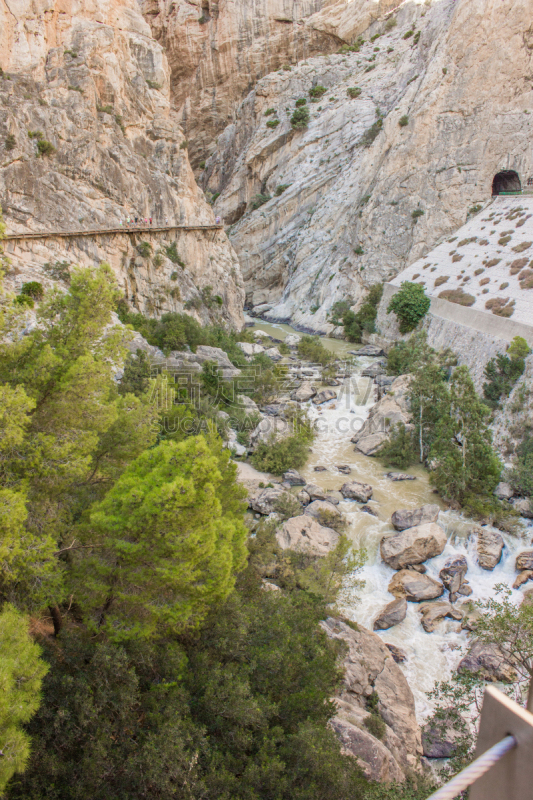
(369, 350)
(294, 478)
(400, 476)
(250, 349)
(414, 586)
(391, 615)
(362, 492)
(273, 353)
(433, 613)
(344, 469)
(489, 548)
(292, 339)
(304, 393)
(315, 492)
(503, 491)
(523, 577)
(404, 518)
(305, 533)
(324, 396)
(206, 353)
(323, 510)
(453, 574)
(524, 507)
(439, 739)
(369, 445)
(373, 370)
(489, 660)
(265, 501)
(249, 405)
(413, 546)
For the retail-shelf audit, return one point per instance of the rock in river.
(391, 615)
(524, 560)
(489, 548)
(420, 516)
(488, 660)
(304, 393)
(453, 574)
(433, 613)
(413, 546)
(323, 510)
(265, 501)
(400, 476)
(324, 396)
(362, 492)
(414, 586)
(305, 533)
(294, 478)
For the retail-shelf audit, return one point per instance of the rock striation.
(88, 139)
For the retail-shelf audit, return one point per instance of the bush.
(300, 118)
(171, 252)
(153, 84)
(354, 91)
(400, 450)
(33, 289)
(301, 102)
(272, 123)
(403, 122)
(317, 91)
(390, 24)
(24, 300)
(45, 148)
(10, 142)
(279, 456)
(59, 270)
(410, 305)
(144, 249)
(521, 476)
(288, 506)
(280, 189)
(371, 133)
(503, 372)
(375, 725)
(260, 200)
(458, 296)
(270, 111)
(104, 109)
(312, 349)
(408, 34)
(416, 214)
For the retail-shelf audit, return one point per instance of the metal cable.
(470, 774)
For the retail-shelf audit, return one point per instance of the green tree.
(137, 372)
(142, 575)
(400, 449)
(465, 463)
(503, 372)
(21, 675)
(410, 304)
(429, 400)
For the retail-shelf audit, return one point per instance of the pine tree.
(21, 674)
(165, 542)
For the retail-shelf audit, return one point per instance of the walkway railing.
(145, 228)
(503, 768)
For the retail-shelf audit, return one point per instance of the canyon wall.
(376, 179)
(217, 51)
(87, 139)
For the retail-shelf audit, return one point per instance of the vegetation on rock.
(410, 304)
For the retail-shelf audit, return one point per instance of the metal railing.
(135, 228)
(503, 768)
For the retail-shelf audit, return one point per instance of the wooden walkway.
(128, 229)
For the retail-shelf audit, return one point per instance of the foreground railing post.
(511, 778)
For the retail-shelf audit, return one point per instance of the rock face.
(420, 516)
(439, 741)
(305, 533)
(322, 239)
(362, 492)
(369, 667)
(391, 615)
(414, 586)
(489, 548)
(413, 546)
(90, 77)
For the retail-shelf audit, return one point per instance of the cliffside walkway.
(124, 229)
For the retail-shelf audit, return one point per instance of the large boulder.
(362, 492)
(273, 353)
(315, 492)
(324, 511)
(294, 478)
(404, 518)
(524, 560)
(391, 615)
(265, 501)
(453, 574)
(304, 393)
(433, 613)
(523, 577)
(292, 339)
(369, 667)
(504, 491)
(373, 370)
(324, 396)
(250, 349)
(369, 350)
(413, 546)
(375, 759)
(489, 548)
(270, 429)
(249, 405)
(206, 353)
(369, 445)
(414, 586)
(524, 506)
(439, 739)
(305, 533)
(488, 660)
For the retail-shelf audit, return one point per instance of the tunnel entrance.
(506, 181)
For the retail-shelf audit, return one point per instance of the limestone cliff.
(445, 104)
(88, 138)
(218, 50)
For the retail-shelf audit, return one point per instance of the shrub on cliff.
(410, 305)
(300, 118)
(503, 372)
(312, 349)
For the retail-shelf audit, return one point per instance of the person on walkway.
(217, 220)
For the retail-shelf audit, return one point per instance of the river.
(433, 656)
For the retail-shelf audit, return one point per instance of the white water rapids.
(433, 656)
